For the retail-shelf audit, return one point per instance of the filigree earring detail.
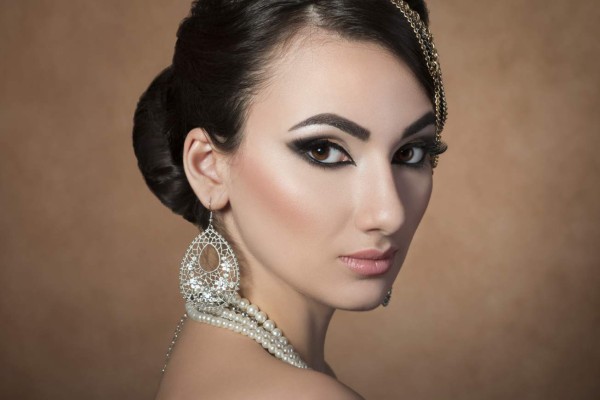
(209, 285)
(386, 299)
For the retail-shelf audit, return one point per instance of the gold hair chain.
(425, 39)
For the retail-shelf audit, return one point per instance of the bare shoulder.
(311, 385)
(291, 383)
(228, 366)
(268, 382)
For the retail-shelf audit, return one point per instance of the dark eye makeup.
(425, 145)
(309, 147)
(305, 146)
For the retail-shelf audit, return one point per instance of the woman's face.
(332, 162)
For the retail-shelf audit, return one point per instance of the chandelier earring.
(210, 290)
(209, 275)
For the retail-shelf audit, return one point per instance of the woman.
(301, 136)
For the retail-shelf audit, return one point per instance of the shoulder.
(228, 366)
(266, 384)
(297, 385)
(314, 385)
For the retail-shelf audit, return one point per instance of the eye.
(322, 152)
(411, 155)
(327, 153)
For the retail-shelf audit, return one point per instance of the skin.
(290, 220)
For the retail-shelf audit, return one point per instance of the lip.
(370, 262)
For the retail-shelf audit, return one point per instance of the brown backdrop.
(499, 297)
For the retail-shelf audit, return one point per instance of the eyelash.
(305, 145)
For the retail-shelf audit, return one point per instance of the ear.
(205, 169)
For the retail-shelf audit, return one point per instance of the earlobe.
(204, 168)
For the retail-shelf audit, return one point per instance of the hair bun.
(223, 57)
(152, 126)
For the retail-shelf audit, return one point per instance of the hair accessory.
(386, 299)
(208, 287)
(425, 39)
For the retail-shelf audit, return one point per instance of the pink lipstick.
(370, 262)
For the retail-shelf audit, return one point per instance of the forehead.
(321, 72)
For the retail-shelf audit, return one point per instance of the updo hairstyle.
(220, 61)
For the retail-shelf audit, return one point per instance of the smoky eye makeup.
(327, 154)
(421, 148)
(322, 152)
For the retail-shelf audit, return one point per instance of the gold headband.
(433, 65)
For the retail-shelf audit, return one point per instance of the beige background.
(499, 297)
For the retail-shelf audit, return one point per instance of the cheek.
(423, 194)
(417, 198)
(274, 201)
(268, 190)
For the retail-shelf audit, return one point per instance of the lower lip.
(366, 267)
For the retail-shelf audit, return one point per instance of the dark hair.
(220, 59)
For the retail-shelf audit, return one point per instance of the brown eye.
(406, 154)
(327, 153)
(320, 152)
(410, 155)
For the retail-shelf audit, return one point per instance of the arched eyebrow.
(358, 131)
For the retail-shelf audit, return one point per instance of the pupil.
(321, 152)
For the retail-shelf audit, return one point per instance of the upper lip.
(373, 254)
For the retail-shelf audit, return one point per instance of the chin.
(364, 306)
(365, 298)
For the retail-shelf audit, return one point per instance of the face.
(334, 160)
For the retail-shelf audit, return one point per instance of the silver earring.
(386, 299)
(209, 288)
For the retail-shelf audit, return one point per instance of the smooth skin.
(291, 218)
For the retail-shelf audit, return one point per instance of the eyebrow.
(358, 131)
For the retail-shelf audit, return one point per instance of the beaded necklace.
(240, 316)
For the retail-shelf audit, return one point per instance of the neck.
(302, 320)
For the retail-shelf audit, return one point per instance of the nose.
(380, 206)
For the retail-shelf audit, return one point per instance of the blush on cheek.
(272, 199)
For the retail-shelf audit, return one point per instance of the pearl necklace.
(242, 317)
